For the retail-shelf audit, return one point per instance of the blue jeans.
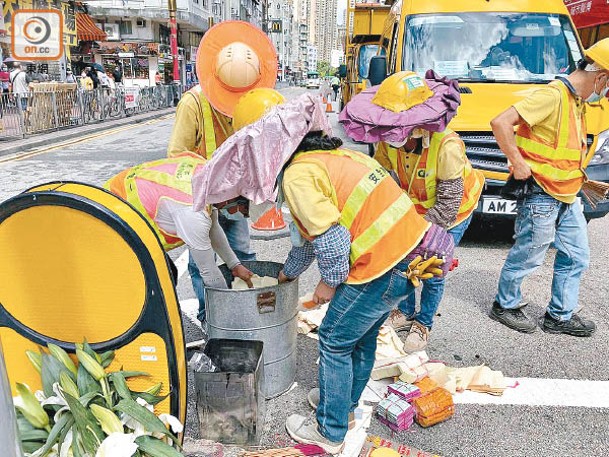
(433, 288)
(543, 220)
(238, 235)
(347, 344)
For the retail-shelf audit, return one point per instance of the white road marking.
(182, 263)
(544, 392)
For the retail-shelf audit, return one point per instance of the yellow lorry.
(360, 46)
(500, 51)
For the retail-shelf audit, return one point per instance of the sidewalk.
(13, 146)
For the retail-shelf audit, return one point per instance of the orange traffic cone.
(326, 102)
(271, 220)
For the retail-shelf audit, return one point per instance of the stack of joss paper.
(405, 390)
(395, 412)
(435, 405)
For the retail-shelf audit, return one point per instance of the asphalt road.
(463, 335)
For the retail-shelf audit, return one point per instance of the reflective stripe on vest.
(208, 127)
(209, 143)
(422, 189)
(557, 168)
(382, 220)
(125, 185)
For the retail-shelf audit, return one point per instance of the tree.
(324, 69)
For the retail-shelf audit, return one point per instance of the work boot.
(313, 398)
(304, 430)
(576, 326)
(417, 338)
(399, 321)
(513, 318)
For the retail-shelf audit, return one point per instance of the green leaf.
(91, 433)
(155, 447)
(62, 437)
(120, 385)
(148, 398)
(132, 374)
(34, 435)
(51, 367)
(77, 449)
(30, 447)
(89, 350)
(86, 383)
(107, 358)
(65, 421)
(87, 398)
(149, 420)
(23, 424)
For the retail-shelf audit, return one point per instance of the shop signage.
(137, 49)
(126, 55)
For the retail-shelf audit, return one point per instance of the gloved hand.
(419, 269)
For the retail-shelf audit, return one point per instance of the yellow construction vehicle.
(500, 51)
(364, 28)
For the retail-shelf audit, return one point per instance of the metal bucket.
(266, 314)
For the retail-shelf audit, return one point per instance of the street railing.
(54, 106)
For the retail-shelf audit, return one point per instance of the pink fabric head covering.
(365, 121)
(248, 162)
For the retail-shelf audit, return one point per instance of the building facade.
(138, 37)
(312, 55)
(280, 27)
(322, 26)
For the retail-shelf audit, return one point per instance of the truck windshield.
(491, 47)
(366, 52)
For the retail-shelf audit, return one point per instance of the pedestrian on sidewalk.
(550, 147)
(352, 217)
(430, 163)
(20, 85)
(4, 79)
(161, 191)
(335, 83)
(227, 69)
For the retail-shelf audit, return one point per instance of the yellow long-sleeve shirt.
(188, 132)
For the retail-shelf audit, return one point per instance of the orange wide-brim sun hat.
(221, 96)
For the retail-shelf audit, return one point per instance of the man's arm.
(503, 129)
(188, 124)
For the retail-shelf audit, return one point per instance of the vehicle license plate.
(498, 206)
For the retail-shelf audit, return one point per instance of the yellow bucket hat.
(401, 91)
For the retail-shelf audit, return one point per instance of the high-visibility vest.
(216, 127)
(421, 182)
(143, 186)
(381, 219)
(558, 167)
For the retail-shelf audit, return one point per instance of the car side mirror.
(378, 70)
(342, 71)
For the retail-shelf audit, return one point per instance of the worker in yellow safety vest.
(352, 217)
(227, 68)
(431, 167)
(550, 147)
(161, 191)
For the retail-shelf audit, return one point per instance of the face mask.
(594, 97)
(397, 145)
(257, 211)
(232, 217)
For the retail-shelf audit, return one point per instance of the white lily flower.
(172, 422)
(40, 396)
(132, 424)
(66, 447)
(57, 399)
(117, 445)
(145, 404)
